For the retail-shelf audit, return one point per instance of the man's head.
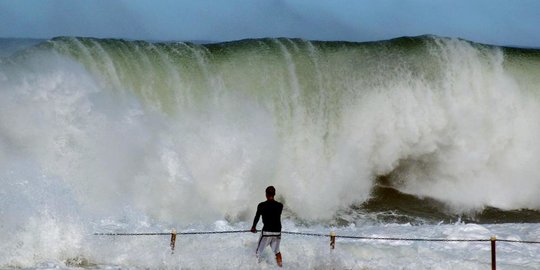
(270, 192)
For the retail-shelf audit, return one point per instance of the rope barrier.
(168, 233)
(215, 232)
(306, 234)
(413, 239)
(518, 241)
(323, 235)
(130, 234)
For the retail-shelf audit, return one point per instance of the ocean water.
(423, 137)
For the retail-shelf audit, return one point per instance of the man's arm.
(256, 220)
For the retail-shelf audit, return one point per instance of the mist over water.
(113, 135)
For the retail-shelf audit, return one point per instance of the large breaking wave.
(182, 133)
(165, 125)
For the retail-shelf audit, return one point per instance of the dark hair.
(270, 191)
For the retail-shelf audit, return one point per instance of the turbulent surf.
(422, 136)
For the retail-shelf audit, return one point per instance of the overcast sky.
(504, 22)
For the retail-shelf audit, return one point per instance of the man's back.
(270, 211)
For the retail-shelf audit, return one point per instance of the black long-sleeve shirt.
(270, 211)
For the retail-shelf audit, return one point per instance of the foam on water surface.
(372, 139)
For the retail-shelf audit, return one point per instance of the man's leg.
(275, 247)
(263, 242)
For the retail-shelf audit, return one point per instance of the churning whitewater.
(418, 137)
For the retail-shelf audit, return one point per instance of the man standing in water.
(270, 210)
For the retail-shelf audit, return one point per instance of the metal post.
(493, 253)
(173, 240)
(332, 240)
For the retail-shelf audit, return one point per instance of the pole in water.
(173, 240)
(493, 253)
(332, 240)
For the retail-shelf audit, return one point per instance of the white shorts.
(269, 238)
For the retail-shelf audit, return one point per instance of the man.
(270, 210)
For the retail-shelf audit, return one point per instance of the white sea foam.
(81, 152)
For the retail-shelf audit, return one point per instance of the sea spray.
(443, 118)
(136, 136)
